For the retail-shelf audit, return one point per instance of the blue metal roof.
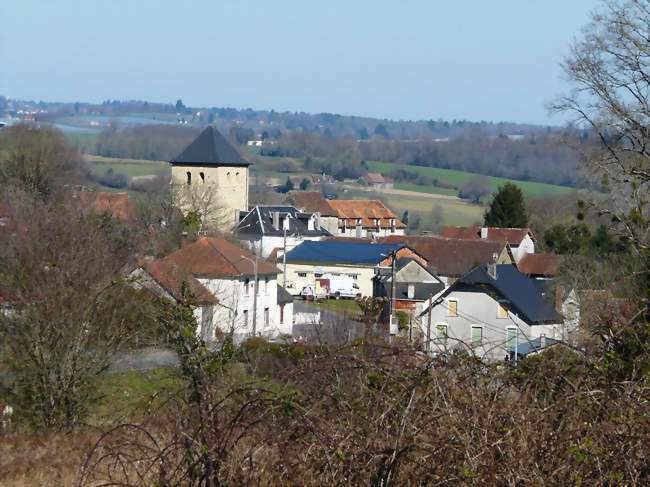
(337, 252)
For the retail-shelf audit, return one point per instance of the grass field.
(130, 167)
(344, 306)
(451, 211)
(131, 393)
(529, 188)
(426, 189)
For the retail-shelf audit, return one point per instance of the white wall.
(527, 246)
(266, 244)
(235, 300)
(366, 232)
(479, 309)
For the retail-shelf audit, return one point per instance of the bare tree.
(609, 70)
(38, 158)
(69, 311)
(203, 202)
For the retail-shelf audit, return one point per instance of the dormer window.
(189, 178)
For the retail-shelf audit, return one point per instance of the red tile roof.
(217, 257)
(117, 204)
(450, 257)
(539, 264)
(170, 278)
(374, 178)
(311, 201)
(513, 236)
(366, 210)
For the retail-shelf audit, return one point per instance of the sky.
(492, 60)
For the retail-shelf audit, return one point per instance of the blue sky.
(409, 59)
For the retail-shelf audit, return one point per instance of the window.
(502, 312)
(511, 337)
(246, 286)
(245, 318)
(266, 286)
(441, 335)
(282, 314)
(302, 274)
(452, 307)
(189, 178)
(202, 177)
(266, 317)
(237, 173)
(477, 334)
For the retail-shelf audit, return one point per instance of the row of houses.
(469, 286)
(475, 287)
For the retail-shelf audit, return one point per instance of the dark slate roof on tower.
(210, 147)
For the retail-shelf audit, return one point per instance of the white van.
(340, 286)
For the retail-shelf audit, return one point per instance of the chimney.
(484, 233)
(276, 220)
(542, 341)
(492, 271)
(410, 292)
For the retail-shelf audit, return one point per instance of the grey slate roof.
(527, 347)
(210, 148)
(283, 296)
(259, 222)
(521, 293)
(422, 290)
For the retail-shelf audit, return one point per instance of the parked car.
(310, 293)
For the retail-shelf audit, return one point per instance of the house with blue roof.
(491, 311)
(312, 260)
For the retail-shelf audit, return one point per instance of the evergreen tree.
(507, 208)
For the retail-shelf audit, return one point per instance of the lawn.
(129, 394)
(130, 167)
(343, 306)
(529, 188)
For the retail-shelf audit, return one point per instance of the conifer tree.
(507, 209)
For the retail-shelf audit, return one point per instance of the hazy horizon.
(425, 60)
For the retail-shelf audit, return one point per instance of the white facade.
(235, 308)
(457, 319)
(527, 246)
(265, 245)
(361, 232)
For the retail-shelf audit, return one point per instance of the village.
(325, 243)
(262, 271)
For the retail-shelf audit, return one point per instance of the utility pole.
(392, 292)
(284, 261)
(516, 345)
(429, 325)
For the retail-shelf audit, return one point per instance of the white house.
(268, 227)
(221, 276)
(520, 240)
(488, 312)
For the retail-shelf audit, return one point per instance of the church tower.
(211, 178)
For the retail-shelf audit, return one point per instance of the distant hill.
(270, 123)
